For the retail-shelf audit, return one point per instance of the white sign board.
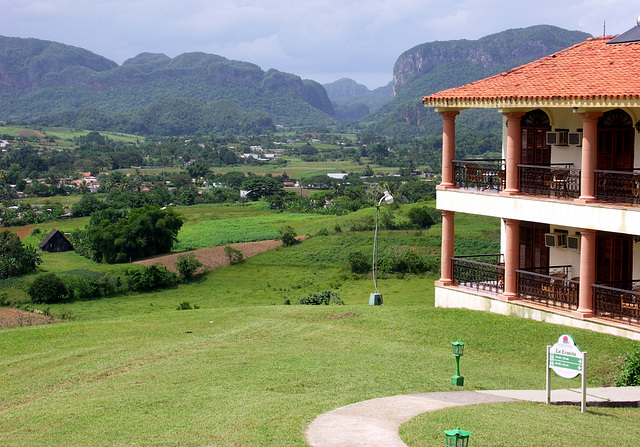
(565, 358)
(567, 361)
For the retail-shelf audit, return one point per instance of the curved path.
(376, 422)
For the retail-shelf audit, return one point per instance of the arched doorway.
(615, 141)
(534, 126)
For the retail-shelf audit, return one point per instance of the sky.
(323, 40)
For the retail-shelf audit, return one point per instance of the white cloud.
(307, 36)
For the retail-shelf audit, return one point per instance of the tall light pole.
(375, 299)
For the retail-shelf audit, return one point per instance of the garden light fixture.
(458, 351)
(457, 437)
(375, 299)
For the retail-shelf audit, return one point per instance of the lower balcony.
(550, 287)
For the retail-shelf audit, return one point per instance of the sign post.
(567, 360)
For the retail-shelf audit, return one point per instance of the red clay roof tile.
(591, 69)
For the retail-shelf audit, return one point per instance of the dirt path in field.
(10, 317)
(213, 258)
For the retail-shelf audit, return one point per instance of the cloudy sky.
(322, 40)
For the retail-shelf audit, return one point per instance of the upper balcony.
(556, 181)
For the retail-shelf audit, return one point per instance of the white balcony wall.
(567, 214)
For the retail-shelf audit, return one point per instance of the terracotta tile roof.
(589, 70)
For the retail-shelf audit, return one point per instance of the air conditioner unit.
(558, 138)
(575, 138)
(557, 240)
(573, 242)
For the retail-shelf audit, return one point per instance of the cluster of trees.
(16, 258)
(117, 236)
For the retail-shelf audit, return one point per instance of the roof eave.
(532, 102)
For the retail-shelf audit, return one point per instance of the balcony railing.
(618, 303)
(618, 186)
(481, 272)
(557, 180)
(549, 286)
(480, 174)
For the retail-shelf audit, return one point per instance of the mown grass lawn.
(247, 370)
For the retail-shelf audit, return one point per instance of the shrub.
(187, 264)
(186, 306)
(149, 278)
(359, 263)
(420, 217)
(288, 236)
(403, 260)
(630, 373)
(48, 288)
(235, 256)
(325, 297)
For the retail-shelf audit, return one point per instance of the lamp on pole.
(375, 299)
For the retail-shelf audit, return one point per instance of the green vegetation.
(527, 425)
(241, 368)
(16, 258)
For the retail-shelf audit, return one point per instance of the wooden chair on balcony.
(560, 183)
(475, 175)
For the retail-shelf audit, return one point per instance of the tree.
(48, 288)
(116, 236)
(261, 187)
(15, 258)
(288, 236)
(187, 264)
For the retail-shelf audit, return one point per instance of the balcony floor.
(469, 298)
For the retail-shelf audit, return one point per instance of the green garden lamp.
(375, 299)
(457, 437)
(458, 351)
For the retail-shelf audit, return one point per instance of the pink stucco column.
(587, 273)
(511, 259)
(448, 147)
(447, 250)
(589, 154)
(513, 151)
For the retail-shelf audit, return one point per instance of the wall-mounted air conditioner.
(557, 240)
(573, 242)
(558, 138)
(575, 138)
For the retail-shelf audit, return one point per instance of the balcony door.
(533, 252)
(615, 141)
(614, 259)
(534, 126)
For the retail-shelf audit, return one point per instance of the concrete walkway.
(376, 422)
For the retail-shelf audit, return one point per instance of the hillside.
(352, 101)
(435, 66)
(154, 94)
(46, 78)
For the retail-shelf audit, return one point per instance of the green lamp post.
(457, 437)
(458, 350)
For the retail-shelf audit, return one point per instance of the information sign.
(565, 358)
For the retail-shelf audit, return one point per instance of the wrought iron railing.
(617, 186)
(549, 286)
(558, 180)
(480, 174)
(481, 272)
(618, 303)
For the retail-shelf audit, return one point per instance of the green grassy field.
(246, 370)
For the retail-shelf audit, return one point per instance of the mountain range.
(57, 84)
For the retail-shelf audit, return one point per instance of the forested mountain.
(48, 78)
(205, 93)
(353, 101)
(435, 66)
